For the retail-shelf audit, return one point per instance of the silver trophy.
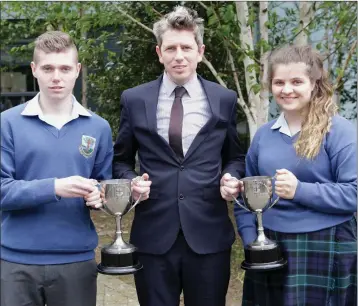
(120, 256)
(262, 254)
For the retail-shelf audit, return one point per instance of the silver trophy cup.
(262, 254)
(120, 256)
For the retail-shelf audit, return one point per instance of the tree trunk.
(338, 87)
(84, 86)
(252, 127)
(263, 108)
(328, 46)
(306, 15)
(250, 76)
(84, 70)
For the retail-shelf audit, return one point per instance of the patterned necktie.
(176, 122)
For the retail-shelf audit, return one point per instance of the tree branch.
(213, 71)
(137, 39)
(203, 5)
(240, 99)
(236, 80)
(133, 19)
(233, 43)
(334, 51)
(205, 60)
(152, 8)
(155, 11)
(340, 76)
(245, 52)
(308, 24)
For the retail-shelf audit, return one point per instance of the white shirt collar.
(33, 108)
(192, 86)
(282, 125)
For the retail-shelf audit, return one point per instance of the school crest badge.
(87, 146)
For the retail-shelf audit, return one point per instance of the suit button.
(181, 168)
(181, 197)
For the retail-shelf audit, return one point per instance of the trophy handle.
(136, 203)
(138, 178)
(274, 202)
(238, 203)
(101, 208)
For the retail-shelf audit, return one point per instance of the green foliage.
(338, 21)
(120, 54)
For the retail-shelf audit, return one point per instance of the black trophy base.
(118, 264)
(263, 259)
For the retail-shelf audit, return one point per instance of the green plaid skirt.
(321, 270)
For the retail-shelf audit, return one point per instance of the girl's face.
(291, 87)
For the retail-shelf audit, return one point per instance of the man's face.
(56, 73)
(180, 55)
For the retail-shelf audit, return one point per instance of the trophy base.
(263, 259)
(119, 270)
(118, 264)
(264, 266)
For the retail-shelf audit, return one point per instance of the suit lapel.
(214, 104)
(151, 102)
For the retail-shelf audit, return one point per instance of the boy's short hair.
(54, 41)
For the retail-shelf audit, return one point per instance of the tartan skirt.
(321, 270)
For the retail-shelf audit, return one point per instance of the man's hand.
(74, 187)
(94, 199)
(286, 184)
(230, 187)
(141, 187)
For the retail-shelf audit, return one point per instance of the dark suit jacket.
(183, 193)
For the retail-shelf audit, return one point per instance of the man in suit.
(184, 130)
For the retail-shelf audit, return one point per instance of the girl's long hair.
(321, 108)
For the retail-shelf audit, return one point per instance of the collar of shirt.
(33, 109)
(192, 86)
(282, 125)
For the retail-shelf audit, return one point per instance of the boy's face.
(56, 73)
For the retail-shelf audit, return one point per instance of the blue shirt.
(326, 193)
(37, 227)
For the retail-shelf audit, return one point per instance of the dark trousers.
(203, 279)
(73, 284)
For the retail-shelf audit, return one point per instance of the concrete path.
(120, 290)
(112, 291)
